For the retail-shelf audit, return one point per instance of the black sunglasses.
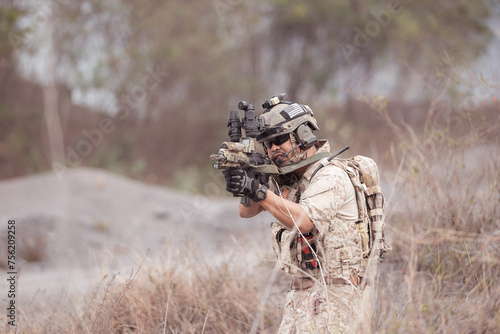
(276, 141)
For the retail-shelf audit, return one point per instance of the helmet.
(291, 118)
(288, 117)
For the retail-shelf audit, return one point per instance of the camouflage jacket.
(329, 200)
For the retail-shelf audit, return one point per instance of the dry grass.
(445, 226)
(161, 298)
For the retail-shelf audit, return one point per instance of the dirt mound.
(73, 230)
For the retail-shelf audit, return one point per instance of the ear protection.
(305, 136)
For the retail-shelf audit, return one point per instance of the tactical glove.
(263, 178)
(241, 182)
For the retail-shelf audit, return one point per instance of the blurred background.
(144, 89)
(110, 109)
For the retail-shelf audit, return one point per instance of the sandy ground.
(73, 230)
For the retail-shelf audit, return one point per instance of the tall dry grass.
(160, 296)
(445, 227)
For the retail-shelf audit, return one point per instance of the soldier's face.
(277, 152)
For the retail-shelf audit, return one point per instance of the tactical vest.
(302, 255)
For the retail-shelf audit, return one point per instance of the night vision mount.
(274, 101)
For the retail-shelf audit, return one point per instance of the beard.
(278, 155)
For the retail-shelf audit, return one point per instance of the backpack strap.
(326, 161)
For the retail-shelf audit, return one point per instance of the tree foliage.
(213, 54)
(323, 37)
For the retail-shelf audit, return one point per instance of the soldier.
(315, 237)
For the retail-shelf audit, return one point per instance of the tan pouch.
(285, 247)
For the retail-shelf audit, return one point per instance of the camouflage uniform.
(325, 300)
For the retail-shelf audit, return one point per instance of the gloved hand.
(263, 178)
(241, 182)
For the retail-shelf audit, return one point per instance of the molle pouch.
(285, 247)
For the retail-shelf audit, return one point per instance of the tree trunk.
(51, 98)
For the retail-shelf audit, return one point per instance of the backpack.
(363, 173)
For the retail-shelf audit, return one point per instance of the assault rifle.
(241, 150)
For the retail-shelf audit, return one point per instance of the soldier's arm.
(288, 213)
(253, 210)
